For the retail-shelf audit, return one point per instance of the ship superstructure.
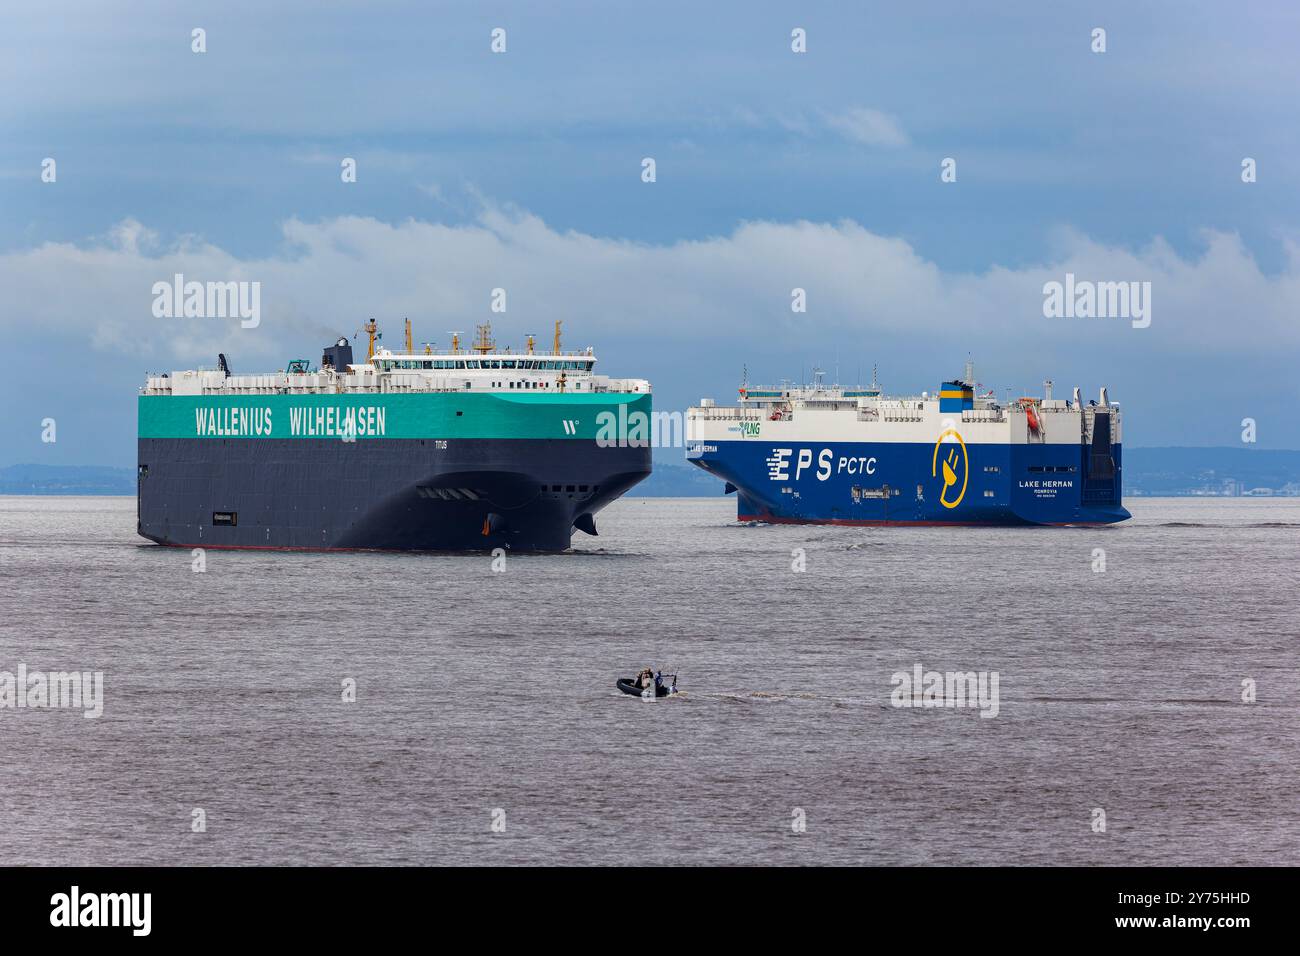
(466, 448)
(830, 454)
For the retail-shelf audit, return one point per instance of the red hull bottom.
(853, 523)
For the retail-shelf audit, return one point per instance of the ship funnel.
(1105, 402)
(338, 356)
(1078, 399)
(1047, 390)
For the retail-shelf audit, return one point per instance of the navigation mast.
(484, 345)
(370, 328)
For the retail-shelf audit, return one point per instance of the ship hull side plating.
(903, 483)
(380, 493)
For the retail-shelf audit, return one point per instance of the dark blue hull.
(904, 483)
(382, 494)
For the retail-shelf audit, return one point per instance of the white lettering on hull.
(366, 421)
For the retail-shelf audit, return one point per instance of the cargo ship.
(833, 455)
(463, 449)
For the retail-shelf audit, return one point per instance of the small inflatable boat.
(628, 686)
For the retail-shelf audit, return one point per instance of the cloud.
(685, 314)
(867, 126)
(332, 274)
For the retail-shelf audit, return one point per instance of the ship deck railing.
(318, 384)
(726, 413)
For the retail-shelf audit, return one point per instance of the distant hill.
(1210, 471)
(66, 480)
(678, 481)
(1172, 472)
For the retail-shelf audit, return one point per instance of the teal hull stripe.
(439, 415)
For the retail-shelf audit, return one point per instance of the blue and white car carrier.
(833, 455)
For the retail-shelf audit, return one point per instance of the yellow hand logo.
(950, 465)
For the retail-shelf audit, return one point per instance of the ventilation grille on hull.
(449, 494)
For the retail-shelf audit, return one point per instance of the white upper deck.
(482, 368)
(865, 413)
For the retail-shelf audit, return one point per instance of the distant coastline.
(1149, 472)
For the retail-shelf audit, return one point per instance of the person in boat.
(645, 678)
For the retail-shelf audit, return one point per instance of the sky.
(774, 171)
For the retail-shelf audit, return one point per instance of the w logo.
(570, 426)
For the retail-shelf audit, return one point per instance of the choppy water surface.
(479, 690)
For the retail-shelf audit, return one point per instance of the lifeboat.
(1030, 413)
